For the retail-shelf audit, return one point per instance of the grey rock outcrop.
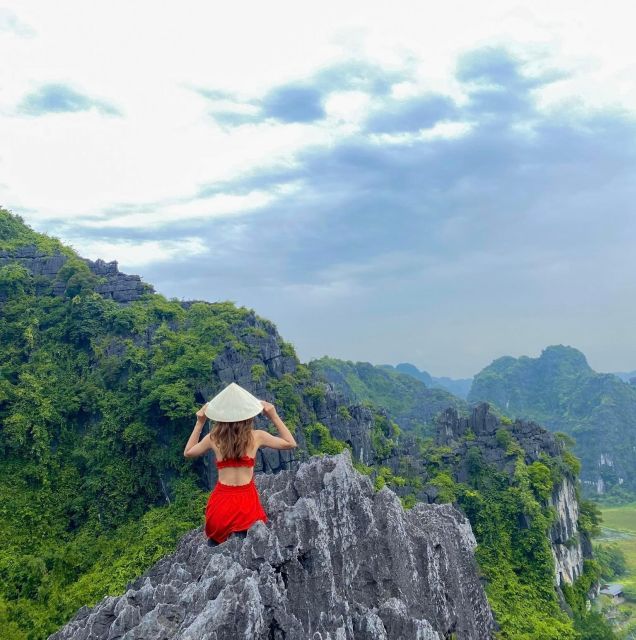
(336, 561)
(117, 286)
(353, 427)
(567, 547)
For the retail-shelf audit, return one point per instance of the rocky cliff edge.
(337, 560)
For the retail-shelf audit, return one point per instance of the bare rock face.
(568, 547)
(118, 286)
(336, 561)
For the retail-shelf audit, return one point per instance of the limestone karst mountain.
(561, 391)
(496, 443)
(469, 432)
(337, 560)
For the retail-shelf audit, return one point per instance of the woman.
(234, 504)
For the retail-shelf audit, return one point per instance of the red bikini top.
(243, 461)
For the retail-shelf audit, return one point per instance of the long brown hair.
(233, 438)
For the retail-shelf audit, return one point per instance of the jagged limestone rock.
(337, 560)
(118, 286)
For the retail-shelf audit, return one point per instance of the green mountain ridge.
(457, 386)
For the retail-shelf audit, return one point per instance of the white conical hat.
(233, 404)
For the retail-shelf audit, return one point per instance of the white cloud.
(441, 130)
(347, 106)
(145, 169)
(136, 254)
(221, 205)
(11, 24)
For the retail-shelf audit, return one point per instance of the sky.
(434, 183)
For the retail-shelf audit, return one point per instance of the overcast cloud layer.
(384, 186)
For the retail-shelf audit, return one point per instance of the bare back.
(243, 475)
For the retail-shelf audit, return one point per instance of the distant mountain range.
(626, 376)
(411, 402)
(562, 392)
(457, 386)
(460, 387)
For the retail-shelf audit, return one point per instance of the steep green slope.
(518, 485)
(561, 391)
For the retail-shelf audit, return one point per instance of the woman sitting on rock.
(234, 504)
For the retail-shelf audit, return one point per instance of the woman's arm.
(286, 439)
(194, 448)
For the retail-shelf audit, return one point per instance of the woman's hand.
(268, 408)
(201, 417)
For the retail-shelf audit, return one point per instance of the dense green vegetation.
(611, 560)
(560, 391)
(96, 402)
(93, 484)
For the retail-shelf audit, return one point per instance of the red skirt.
(232, 508)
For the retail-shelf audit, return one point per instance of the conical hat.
(233, 404)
